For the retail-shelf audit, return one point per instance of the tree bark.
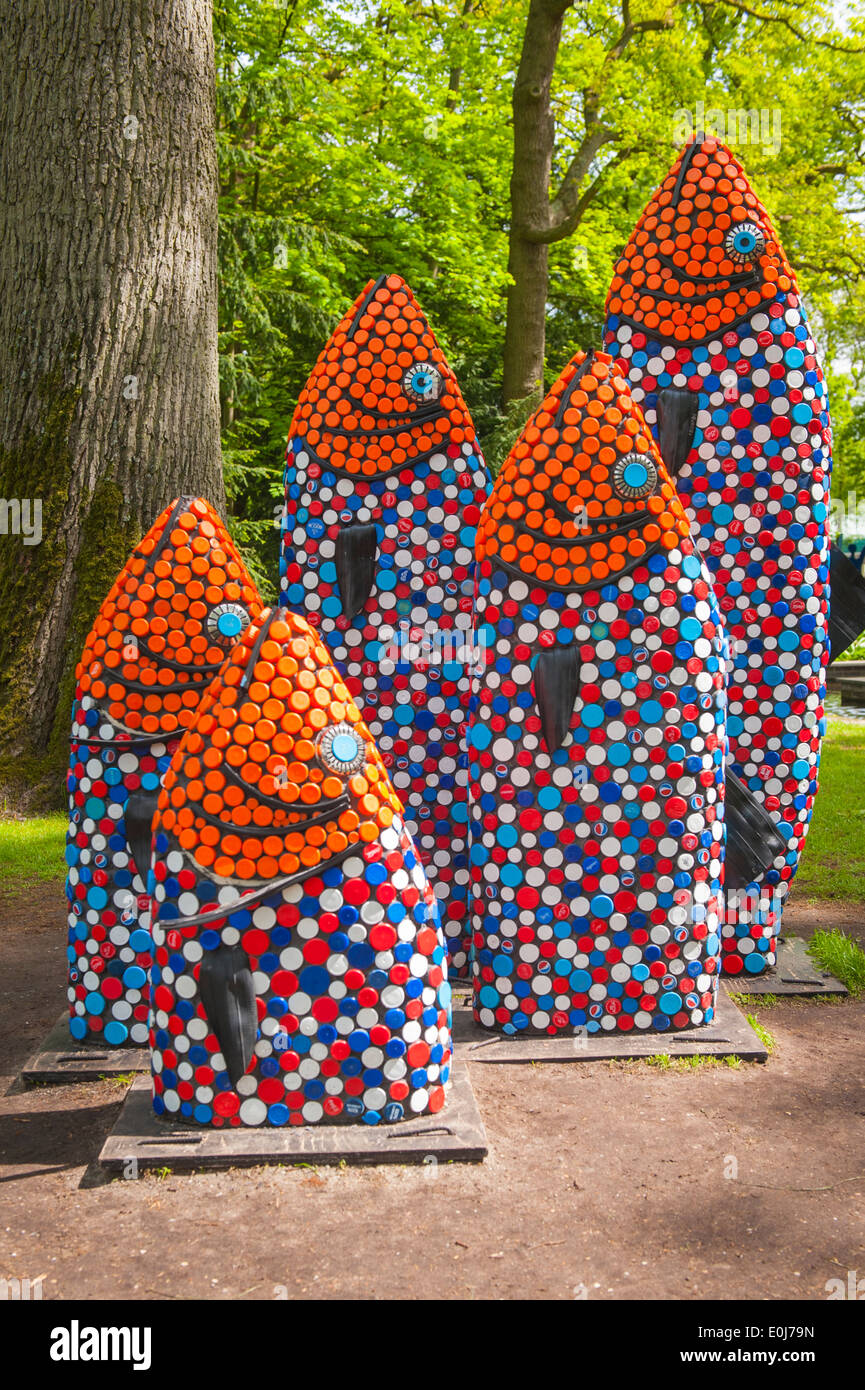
(525, 330)
(536, 218)
(534, 136)
(109, 401)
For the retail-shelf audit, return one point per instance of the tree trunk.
(109, 400)
(536, 219)
(525, 331)
(534, 136)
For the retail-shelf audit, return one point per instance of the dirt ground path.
(608, 1179)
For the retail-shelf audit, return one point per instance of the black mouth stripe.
(249, 832)
(134, 739)
(392, 470)
(132, 742)
(211, 666)
(423, 416)
(656, 334)
(275, 802)
(176, 689)
(626, 520)
(498, 563)
(748, 277)
(587, 540)
(246, 901)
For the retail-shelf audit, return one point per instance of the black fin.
(181, 505)
(677, 419)
(846, 603)
(355, 566)
(688, 155)
(228, 995)
(138, 821)
(557, 683)
(364, 303)
(268, 617)
(753, 839)
(582, 370)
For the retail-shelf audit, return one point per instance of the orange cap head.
(182, 599)
(381, 393)
(583, 496)
(704, 254)
(278, 776)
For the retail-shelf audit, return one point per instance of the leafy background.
(371, 136)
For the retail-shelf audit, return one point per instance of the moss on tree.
(40, 467)
(33, 763)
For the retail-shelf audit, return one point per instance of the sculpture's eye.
(634, 476)
(341, 750)
(745, 242)
(226, 622)
(422, 382)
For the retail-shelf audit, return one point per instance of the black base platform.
(60, 1057)
(794, 974)
(455, 1135)
(728, 1035)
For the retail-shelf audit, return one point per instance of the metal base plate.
(455, 1135)
(728, 1035)
(60, 1057)
(794, 973)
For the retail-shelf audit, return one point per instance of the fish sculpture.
(596, 736)
(182, 599)
(299, 971)
(384, 482)
(705, 317)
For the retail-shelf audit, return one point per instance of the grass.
(31, 851)
(750, 1001)
(664, 1062)
(766, 1038)
(834, 951)
(833, 861)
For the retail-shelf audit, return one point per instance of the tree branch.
(840, 271)
(786, 24)
(641, 26)
(568, 205)
(456, 73)
(569, 224)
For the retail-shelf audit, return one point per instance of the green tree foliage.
(341, 156)
(361, 136)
